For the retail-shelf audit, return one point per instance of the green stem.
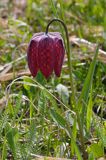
(69, 56)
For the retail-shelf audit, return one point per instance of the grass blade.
(87, 85)
(88, 80)
(89, 112)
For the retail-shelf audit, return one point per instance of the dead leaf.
(10, 76)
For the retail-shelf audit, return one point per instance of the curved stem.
(69, 56)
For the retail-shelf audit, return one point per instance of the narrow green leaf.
(87, 86)
(89, 112)
(74, 133)
(4, 151)
(58, 118)
(76, 149)
(88, 80)
(10, 135)
(60, 121)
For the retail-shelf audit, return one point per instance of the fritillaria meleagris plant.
(46, 54)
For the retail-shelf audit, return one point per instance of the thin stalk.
(69, 56)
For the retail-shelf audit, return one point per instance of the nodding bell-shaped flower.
(46, 54)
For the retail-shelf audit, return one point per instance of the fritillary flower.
(46, 54)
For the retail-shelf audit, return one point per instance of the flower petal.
(32, 55)
(59, 56)
(45, 55)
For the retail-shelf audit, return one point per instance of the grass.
(36, 115)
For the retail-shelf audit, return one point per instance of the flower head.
(46, 53)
